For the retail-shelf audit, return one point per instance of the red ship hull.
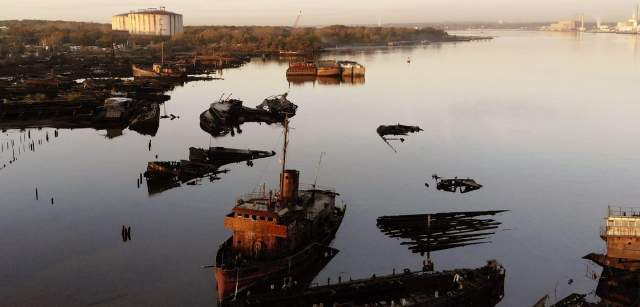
(290, 271)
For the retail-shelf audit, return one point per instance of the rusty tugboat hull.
(282, 273)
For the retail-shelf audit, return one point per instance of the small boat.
(302, 69)
(329, 68)
(158, 71)
(351, 69)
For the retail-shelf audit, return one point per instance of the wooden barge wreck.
(325, 68)
(463, 287)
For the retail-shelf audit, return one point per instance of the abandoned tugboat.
(276, 237)
(227, 114)
(621, 232)
(620, 278)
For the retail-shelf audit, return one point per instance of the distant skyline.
(325, 12)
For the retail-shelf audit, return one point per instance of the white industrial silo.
(149, 22)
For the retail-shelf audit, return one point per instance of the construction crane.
(295, 24)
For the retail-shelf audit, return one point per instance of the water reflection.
(165, 175)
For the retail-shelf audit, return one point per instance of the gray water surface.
(548, 123)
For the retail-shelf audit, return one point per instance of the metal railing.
(624, 211)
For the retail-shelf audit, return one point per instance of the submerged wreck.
(114, 113)
(387, 133)
(455, 184)
(226, 115)
(425, 233)
(164, 175)
(483, 286)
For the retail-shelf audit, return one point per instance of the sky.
(325, 12)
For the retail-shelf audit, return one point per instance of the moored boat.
(329, 68)
(351, 69)
(302, 69)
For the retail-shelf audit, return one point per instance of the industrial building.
(563, 26)
(631, 25)
(154, 21)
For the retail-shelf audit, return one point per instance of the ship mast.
(284, 153)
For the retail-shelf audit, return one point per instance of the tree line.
(221, 38)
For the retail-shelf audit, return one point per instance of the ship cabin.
(267, 225)
(621, 231)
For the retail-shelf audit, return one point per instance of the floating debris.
(455, 184)
(385, 131)
(226, 115)
(126, 233)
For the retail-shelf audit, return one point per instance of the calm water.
(548, 123)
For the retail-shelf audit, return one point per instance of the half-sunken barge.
(463, 287)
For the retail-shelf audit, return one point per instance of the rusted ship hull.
(628, 265)
(464, 287)
(329, 71)
(353, 71)
(261, 276)
(302, 69)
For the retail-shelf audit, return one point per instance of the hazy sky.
(322, 12)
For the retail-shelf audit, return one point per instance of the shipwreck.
(226, 115)
(202, 163)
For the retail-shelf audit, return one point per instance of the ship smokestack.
(290, 182)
